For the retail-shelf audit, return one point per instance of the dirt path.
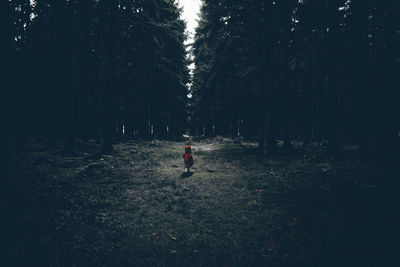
(197, 218)
(136, 208)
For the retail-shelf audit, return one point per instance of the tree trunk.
(332, 102)
(361, 86)
(308, 112)
(111, 41)
(332, 46)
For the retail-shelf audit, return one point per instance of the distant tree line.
(315, 70)
(93, 69)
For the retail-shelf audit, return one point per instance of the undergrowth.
(137, 208)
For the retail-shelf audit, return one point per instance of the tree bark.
(111, 41)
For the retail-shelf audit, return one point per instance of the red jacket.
(188, 159)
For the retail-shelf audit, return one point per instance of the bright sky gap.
(191, 9)
(190, 14)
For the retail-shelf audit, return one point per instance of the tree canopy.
(96, 68)
(319, 70)
(315, 70)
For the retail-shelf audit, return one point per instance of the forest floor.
(137, 208)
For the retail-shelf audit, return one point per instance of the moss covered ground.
(137, 207)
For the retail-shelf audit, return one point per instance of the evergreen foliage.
(321, 71)
(90, 69)
(305, 69)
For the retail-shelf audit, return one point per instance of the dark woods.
(81, 75)
(319, 71)
(314, 70)
(93, 69)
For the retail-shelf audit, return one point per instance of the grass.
(238, 208)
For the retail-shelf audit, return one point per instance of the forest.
(91, 69)
(309, 70)
(291, 108)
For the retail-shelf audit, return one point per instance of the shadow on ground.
(298, 208)
(186, 174)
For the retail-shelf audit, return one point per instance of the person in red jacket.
(188, 158)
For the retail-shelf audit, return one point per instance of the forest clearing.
(291, 108)
(137, 208)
